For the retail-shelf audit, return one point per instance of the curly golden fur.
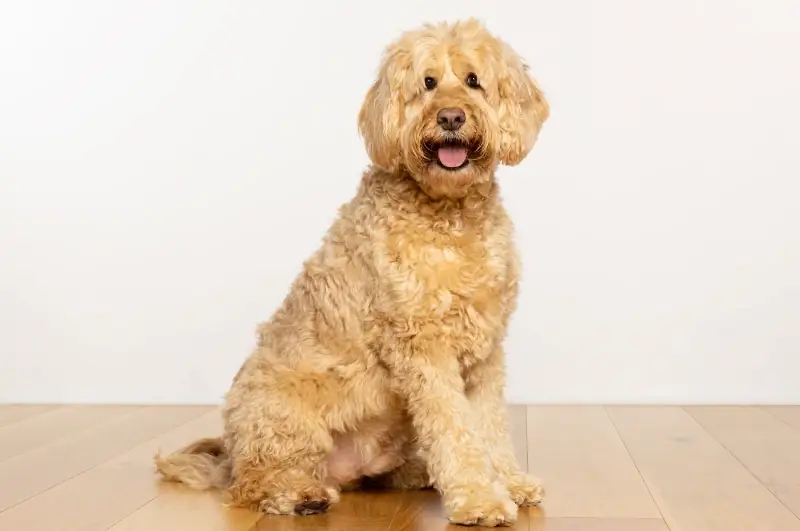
(385, 361)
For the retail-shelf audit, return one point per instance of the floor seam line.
(636, 466)
(747, 469)
(783, 421)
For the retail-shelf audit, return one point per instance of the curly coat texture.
(385, 360)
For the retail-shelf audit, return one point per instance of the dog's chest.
(453, 280)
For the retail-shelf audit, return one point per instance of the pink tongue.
(452, 157)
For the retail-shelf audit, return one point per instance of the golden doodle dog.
(384, 363)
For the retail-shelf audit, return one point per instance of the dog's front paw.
(524, 490)
(479, 505)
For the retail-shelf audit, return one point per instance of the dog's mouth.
(450, 154)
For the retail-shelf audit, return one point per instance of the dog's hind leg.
(277, 439)
(412, 474)
(280, 488)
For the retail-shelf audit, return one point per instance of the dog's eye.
(472, 81)
(430, 83)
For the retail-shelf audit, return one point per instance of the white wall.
(165, 167)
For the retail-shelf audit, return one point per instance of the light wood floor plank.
(697, 483)
(41, 429)
(598, 524)
(518, 426)
(766, 446)
(788, 414)
(32, 472)
(104, 495)
(178, 507)
(584, 466)
(10, 413)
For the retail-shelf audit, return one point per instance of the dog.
(384, 365)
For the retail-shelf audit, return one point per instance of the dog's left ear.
(523, 108)
(380, 118)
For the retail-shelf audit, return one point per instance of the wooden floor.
(89, 468)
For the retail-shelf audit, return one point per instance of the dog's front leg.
(441, 414)
(484, 387)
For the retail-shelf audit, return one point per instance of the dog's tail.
(204, 464)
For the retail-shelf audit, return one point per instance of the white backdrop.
(166, 166)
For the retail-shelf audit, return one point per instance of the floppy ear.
(380, 118)
(523, 108)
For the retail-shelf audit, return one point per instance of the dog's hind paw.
(308, 501)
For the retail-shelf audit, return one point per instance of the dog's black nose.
(451, 119)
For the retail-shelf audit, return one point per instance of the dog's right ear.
(381, 115)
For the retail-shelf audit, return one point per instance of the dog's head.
(449, 104)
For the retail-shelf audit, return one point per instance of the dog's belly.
(375, 448)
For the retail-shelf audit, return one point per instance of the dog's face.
(449, 104)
